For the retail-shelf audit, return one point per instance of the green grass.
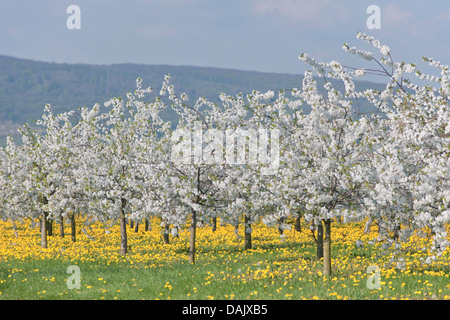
(221, 274)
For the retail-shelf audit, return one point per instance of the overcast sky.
(259, 35)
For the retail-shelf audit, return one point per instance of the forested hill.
(27, 85)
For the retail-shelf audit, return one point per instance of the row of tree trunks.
(46, 227)
(323, 239)
(123, 228)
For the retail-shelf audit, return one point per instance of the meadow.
(276, 268)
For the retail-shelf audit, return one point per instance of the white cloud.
(445, 17)
(393, 14)
(419, 24)
(426, 28)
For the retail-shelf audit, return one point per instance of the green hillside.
(27, 85)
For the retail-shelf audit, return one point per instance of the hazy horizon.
(255, 35)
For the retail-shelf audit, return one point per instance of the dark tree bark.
(280, 222)
(396, 233)
(61, 225)
(123, 229)
(214, 227)
(192, 237)
(166, 232)
(50, 228)
(194, 223)
(327, 248)
(73, 227)
(247, 233)
(319, 229)
(44, 242)
(297, 225)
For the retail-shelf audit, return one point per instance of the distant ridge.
(27, 85)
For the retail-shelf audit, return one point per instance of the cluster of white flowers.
(390, 167)
(361, 53)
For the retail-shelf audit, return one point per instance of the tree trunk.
(297, 224)
(50, 228)
(73, 227)
(61, 225)
(319, 229)
(214, 227)
(166, 232)
(123, 229)
(136, 227)
(247, 232)
(396, 233)
(145, 224)
(44, 242)
(131, 224)
(194, 223)
(192, 238)
(327, 248)
(281, 221)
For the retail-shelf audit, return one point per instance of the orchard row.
(123, 161)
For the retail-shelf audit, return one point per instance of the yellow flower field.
(275, 268)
